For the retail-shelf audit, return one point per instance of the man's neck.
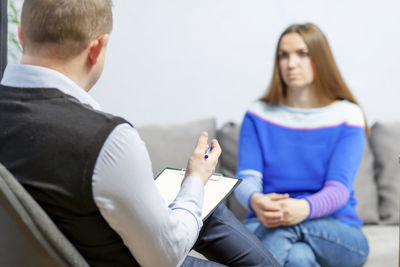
(70, 68)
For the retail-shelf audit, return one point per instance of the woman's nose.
(292, 61)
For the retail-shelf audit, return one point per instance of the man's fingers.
(216, 149)
(201, 144)
(204, 158)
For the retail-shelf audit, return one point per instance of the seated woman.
(299, 150)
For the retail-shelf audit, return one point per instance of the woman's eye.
(283, 55)
(303, 54)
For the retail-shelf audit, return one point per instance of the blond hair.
(67, 25)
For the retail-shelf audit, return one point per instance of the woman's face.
(294, 62)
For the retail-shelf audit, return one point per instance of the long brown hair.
(328, 81)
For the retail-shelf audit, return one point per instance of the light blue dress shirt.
(123, 185)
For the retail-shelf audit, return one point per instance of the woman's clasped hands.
(274, 210)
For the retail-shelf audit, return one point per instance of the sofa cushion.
(366, 190)
(228, 137)
(383, 245)
(171, 145)
(385, 144)
(365, 187)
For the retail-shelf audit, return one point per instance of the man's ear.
(20, 35)
(96, 46)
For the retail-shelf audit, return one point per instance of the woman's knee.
(301, 254)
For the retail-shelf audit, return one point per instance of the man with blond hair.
(89, 170)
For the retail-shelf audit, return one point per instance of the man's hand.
(294, 210)
(267, 209)
(200, 166)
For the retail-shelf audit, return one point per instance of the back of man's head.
(63, 28)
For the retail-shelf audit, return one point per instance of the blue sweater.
(297, 151)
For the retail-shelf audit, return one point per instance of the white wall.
(179, 60)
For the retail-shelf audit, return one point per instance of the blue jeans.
(227, 242)
(318, 242)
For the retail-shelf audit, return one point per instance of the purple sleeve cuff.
(328, 200)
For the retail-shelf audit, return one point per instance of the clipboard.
(216, 190)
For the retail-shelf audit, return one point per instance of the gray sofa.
(377, 184)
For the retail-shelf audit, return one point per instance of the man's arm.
(126, 195)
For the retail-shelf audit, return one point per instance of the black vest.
(50, 142)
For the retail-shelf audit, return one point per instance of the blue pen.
(208, 151)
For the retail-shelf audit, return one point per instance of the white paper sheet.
(217, 188)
